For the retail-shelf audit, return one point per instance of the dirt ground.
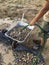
(9, 14)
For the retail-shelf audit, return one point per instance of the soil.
(9, 8)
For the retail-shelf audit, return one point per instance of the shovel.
(26, 25)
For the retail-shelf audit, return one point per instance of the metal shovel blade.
(25, 24)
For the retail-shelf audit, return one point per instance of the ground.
(12, 10)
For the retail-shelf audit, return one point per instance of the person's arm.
(41, 13)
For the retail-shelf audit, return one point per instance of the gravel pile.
(18, 33)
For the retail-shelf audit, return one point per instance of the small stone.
(19, 60)
(24, 59)
(27, 54)
(24, 55)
